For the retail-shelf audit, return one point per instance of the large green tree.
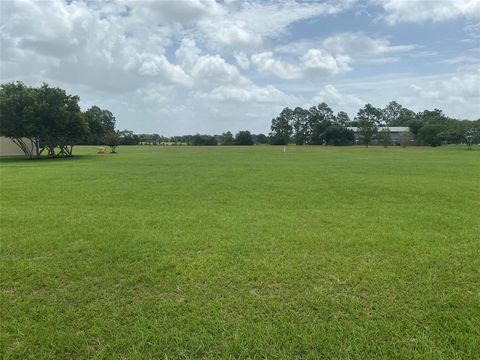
(391, 112)
(100, 122)
(342, 118)
(61, 124)
(368, 118)
(17, 117)
(282, 128)
(300, 125)
(47, 117)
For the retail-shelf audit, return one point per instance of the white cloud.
(207, 70)
(242, 60)
(419, 11)
(314, 62)
(332, 96)
(249, 93)
(181, 11)
(461, 88)
(247, 23)
(198, 61)
(265, 62)
(320, 62)
(360, 44)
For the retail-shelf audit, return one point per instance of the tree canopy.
(47, 117)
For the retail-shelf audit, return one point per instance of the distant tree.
(385, 137)
(300, 125)
(156, 139)
(435, 117)
(282, 128)
(429, 134)
(471, 134)
(227, 138)
(243, 138)
(338, 135)
(342, 118)
(112, 140)
(370, 114)
(203, 140)
(260, 139)
(368, 118)
(320, 117)
(415, 125)
(100, 122)
(127, 137)
(367, 131)
(391, 112)
(405, 117)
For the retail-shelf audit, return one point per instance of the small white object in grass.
(284, 149)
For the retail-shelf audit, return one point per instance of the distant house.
(395, 131)
(9, 148)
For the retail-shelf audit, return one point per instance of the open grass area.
(229, 252)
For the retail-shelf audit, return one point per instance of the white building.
(9, 148)
(395, 131)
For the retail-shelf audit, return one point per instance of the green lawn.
(229, 252)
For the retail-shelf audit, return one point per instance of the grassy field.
(228, 252)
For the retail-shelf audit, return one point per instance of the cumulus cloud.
(181, 11)
(462, 88)
(247, 23)
(196, 60)
(358, 43)
(317, 61)
(314, 62)
(331, 95)
(249, 93)
(265, 62)
(419, 11)
(207, 70)
(242, 60)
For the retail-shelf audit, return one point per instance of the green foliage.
(391, 113)
(385, 137)
(227, 138)
(50, 118)
(17, 117)
(342, 119)
(282, 128)
(369, 114)
(430, 134)
(244, 138)
(260, 139)
(201, 140)
(300, 126)
(128, 137)
(338, 135)
(100, 122)
(112, 140)
(242, 253)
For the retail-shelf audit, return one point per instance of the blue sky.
(185, 66)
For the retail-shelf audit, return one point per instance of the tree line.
(243, 137)
(318, 125)
(46, 120)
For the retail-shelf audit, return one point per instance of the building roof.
(392, 129)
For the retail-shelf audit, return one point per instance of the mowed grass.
(231, 252)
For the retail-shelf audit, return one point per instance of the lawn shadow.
(21, 159)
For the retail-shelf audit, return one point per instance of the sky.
(177, 67)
